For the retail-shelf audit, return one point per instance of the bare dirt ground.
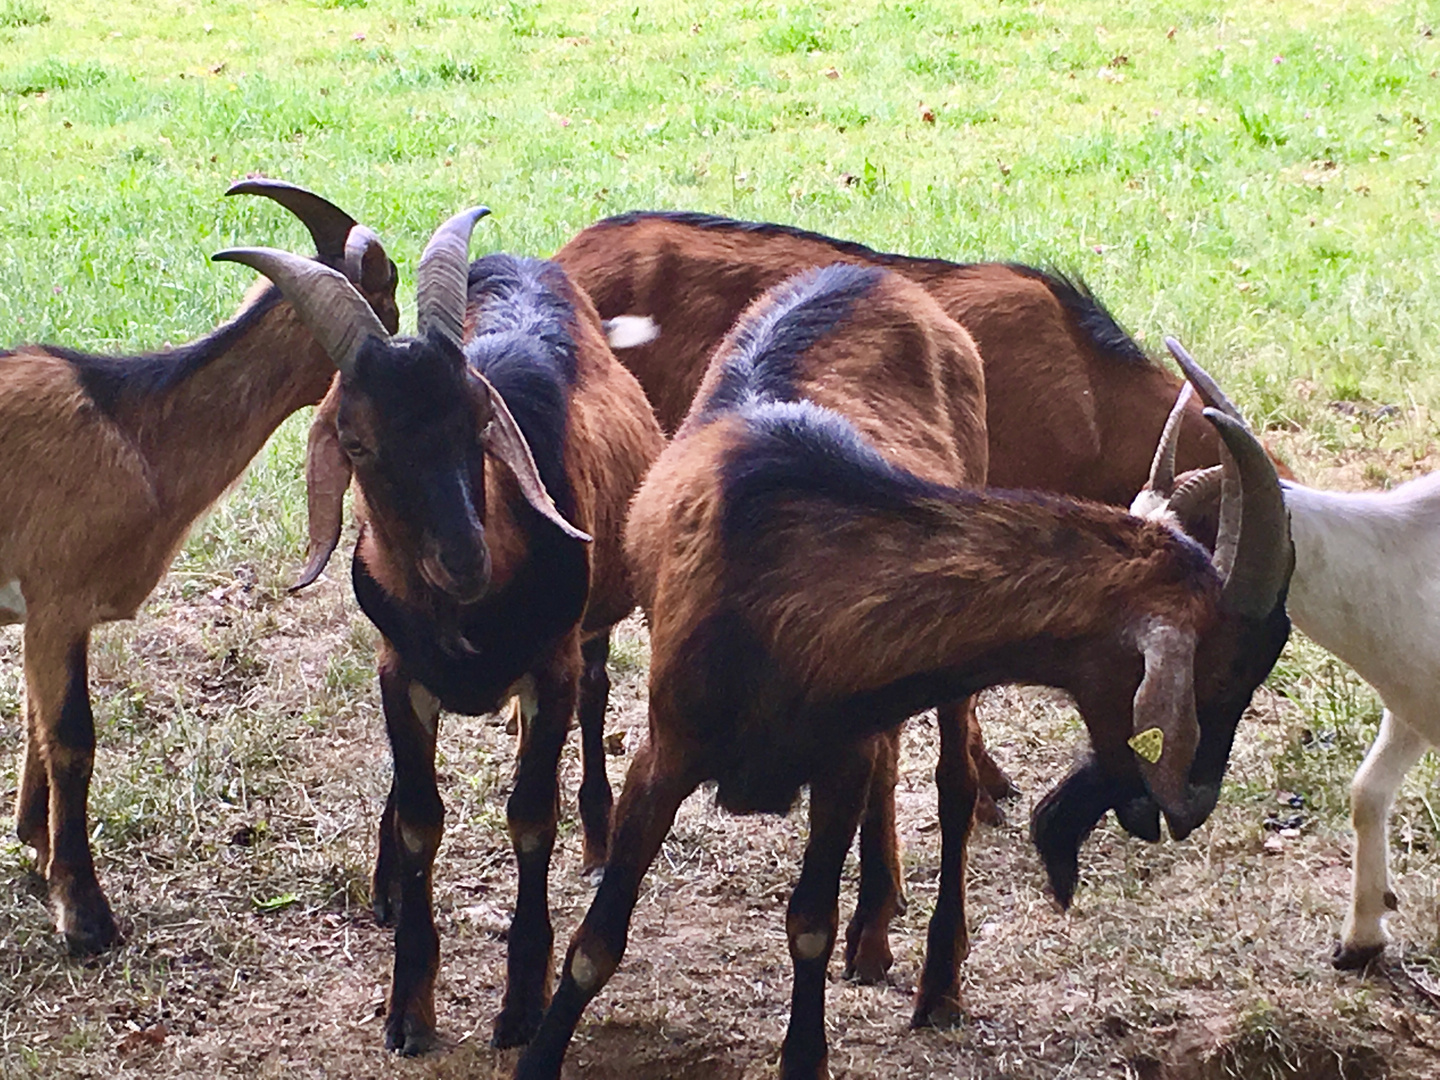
(243, 764)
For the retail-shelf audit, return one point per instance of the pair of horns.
(342, 322)
(341, 319)
(1253, 552)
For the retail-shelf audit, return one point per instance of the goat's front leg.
(63, 729)
(957, 778)
(836, 802)
(595, 798)
(1396, 749)
(417, 817)
(532, 813)
(655, 786)
(881, 893)
(385, 880)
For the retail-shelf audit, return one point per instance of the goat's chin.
(1200, 801)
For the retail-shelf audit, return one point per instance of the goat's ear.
(503, 438)
(1166, 732)
(327, 475)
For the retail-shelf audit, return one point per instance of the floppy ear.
(327, 475)
(1166, 732)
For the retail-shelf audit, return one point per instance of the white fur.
(631, 331)
(1367, 587)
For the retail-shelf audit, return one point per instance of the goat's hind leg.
(595, 798)
(58, 703)
(867, 938)
(957, 780)
(32, 802)
(1396, 749)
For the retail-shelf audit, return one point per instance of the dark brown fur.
(540, 628)
(806, 595)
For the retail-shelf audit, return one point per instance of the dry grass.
(243, 763)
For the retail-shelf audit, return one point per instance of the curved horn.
(1256, 558)
(328, 305)
(329, 225)
(503, 438)
(1209, 389)
(1162, 469)
(441, 277)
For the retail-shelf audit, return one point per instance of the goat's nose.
(462, 574)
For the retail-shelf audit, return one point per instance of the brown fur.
(784, 645)
(92, 515)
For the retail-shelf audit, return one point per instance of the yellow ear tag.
(1149, 744)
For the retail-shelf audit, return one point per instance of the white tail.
(630, 331)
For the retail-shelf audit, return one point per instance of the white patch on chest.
(12, 603)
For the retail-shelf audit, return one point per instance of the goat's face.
(409, 420)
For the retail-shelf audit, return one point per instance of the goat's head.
(1198, 681)
(341, 243)
(410, 417)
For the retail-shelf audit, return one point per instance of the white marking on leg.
(528, 840)
(584, 971)
(1396, 749)
(426, 707)
(12, 603)
(413, 839)
(810, 946)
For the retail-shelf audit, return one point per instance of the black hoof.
(1353, 958)
(515, 1028)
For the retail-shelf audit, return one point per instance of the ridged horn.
(1208, 388)
(1162, 469)
(1254, 555)
(330, 307)
(441, 277)
(329, 225)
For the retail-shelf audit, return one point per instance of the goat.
(481, 587)
(808, 587)
(1073, 406)
(1365, 587)
(109, 461)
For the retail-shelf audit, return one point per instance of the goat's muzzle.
(462, 576)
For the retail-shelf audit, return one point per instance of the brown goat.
(1073, 406)
(109, 461)
(473, 573)
(809, 588)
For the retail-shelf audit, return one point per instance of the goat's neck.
(1005, 593)
(199, 435)
(1367, 576)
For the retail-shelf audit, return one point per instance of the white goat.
(1367, 588)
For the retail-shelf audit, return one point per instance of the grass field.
(1258, 178)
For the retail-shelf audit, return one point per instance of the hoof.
(869, 960)
(409, 1038)
(943, 1012)
(1354, 957)
(988, 811)
(515, 1027)
(88, 930)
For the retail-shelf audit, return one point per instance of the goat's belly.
(12, 603)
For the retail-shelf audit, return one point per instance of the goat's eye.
(354, 449)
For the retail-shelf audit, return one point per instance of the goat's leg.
(1396, 749)
(595, 799)
(813, 917)
(532, 813)
(957, 779)
(57, 690)
(412, 716)
(655, 786)
(994, 783)
(881, 895)
(32, 803)
(385, 881)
